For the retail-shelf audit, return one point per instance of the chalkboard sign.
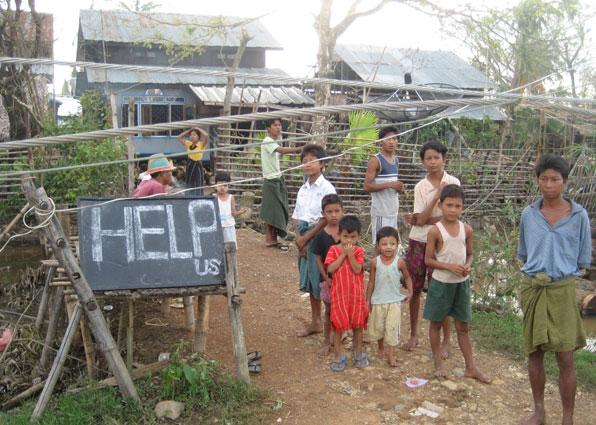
(151, 243)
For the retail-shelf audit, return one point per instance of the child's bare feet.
(445, 350)
(476, 374)
(440, 371)
(312, 329)
(392, 361)
(411, 344)
(536, 419)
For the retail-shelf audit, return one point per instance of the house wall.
(126, 53)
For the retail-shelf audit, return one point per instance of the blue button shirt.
(558, 250)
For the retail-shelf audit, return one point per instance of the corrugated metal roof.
(131, 77)
(262, 95)
(388, 65)
(136, 27)
(476, 113)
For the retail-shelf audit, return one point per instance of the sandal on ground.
(361, 362)
(280, 246)
(253, 356)
(339, 366)
(254, 367)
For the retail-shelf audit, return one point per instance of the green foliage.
(503, 332)
(363, 131)
(181, 380)
(66, 186)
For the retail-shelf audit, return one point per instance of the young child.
(449, 253)
(426, 213)
(554, 244)
(348, 297)
(308, 222)
(383, 293)
(325, 239)
(381, 181)
(227, 207)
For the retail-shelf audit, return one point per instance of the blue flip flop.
(361, 362)
(340, 365)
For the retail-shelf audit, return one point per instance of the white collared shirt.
(308, 200)
(424, 192)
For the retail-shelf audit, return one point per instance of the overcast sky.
(289, 21)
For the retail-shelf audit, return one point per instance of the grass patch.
(503, 333)
(208, 394)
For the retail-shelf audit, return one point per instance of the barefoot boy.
(274, 205)
(381, 181)
(325, 239)
(426, 213)
(554, 244)
(348, 298)
(307, 222)
(449, 253)
(383, 293)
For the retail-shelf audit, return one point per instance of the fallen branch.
(16, 400)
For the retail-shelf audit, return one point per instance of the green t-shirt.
(270, 159)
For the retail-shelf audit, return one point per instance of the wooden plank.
(130, 334)
(202, 325)
(189, 313)
(45, 295)
(55, 313)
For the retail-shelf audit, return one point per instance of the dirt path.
(310, 393)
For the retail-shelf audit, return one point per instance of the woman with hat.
(160, 170)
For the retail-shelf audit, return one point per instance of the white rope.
(255, 116)
(48, 214)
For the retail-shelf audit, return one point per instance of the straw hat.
(158, 162)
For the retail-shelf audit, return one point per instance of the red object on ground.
(5, 339)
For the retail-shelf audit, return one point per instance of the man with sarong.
(555, 244)
(274, 203)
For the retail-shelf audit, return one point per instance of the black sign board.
(151, 243)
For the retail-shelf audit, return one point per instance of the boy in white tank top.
(449, 253)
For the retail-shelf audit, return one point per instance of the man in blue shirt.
(555, 243)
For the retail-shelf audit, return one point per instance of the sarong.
(551, 316)
(310, 277)
(195, 177)
(274, 205)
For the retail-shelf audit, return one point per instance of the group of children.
(331, 266)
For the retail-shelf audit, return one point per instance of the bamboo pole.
(14, 221)
(97, 323)
(238, 342)
(43, 304)
(56, 370)
(16, 400)
(89, 349)
(129, 334)
(55, 310)
(189, 313)
(202, 325)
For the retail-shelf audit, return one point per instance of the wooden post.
(130, 148)
(129, 334)
(56, 303)
(189, 313)
(202, 325)
(121, 325)
(43, 304)
(234, 301)
(56, 371)
(97, 323)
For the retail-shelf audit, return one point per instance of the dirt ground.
(302, 388)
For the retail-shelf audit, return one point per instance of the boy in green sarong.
(555, 243)
(274, 203)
